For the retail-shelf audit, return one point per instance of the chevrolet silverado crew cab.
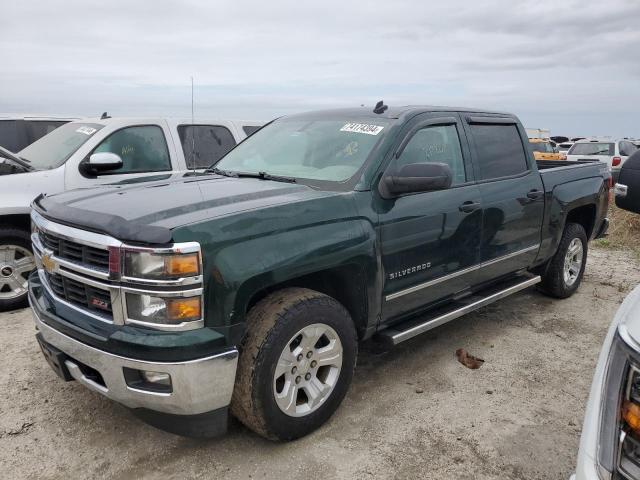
(91, 152)
(247, 287)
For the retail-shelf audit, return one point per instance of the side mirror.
(416, 177)
(100, 162)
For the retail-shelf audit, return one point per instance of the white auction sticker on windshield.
(86, 130)
(362, 128)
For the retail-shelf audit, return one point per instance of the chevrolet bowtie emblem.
(48, 262)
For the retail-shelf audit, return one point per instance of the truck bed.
(558, 172)
(577, 183)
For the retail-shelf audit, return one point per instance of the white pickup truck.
(91, 152)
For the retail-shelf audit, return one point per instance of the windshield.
(592, 148)
(543, 147)
(54, 149)
(315, 149)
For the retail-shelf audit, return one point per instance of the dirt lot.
(413, 412)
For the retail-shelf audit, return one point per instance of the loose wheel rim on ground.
(307, 370)
(573, 262)
(15, 265)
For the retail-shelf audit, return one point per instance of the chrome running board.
(457, 308)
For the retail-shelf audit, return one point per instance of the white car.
(610, 442)
(612, 152)
(90, 152)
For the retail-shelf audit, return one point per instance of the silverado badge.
(48, 262)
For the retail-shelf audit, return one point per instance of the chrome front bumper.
(199, 386)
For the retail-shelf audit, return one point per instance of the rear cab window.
(499, 150)
(593, 148)
(543, 147)
(204, 145)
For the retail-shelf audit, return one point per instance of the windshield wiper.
(224, 173)
(23, 162)
(267, 176)
(260, 175)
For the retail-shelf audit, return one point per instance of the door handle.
(535, 194)
(469, 206)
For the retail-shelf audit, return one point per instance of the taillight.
(615, 161)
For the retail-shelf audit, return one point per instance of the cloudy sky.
(572, 66)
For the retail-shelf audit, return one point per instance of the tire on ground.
(271, 324)
(553, 281)
(20, 238)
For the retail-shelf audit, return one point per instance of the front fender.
(250, 251)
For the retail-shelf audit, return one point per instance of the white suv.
(612, 152)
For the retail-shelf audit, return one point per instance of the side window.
(142, 149)
(499, 150)
(204, 145)
(627, 148)
(437, 144)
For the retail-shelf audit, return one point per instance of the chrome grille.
(76, 252)
(80, 294)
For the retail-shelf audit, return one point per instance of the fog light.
(156, 382)
(156, 377)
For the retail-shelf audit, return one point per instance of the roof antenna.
(380, 107)
(193, 133)
(104, 116)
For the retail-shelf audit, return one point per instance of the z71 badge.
(409, 271)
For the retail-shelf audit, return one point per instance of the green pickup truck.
(246, 289)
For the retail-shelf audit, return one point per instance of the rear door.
(430, 240)
(512, 195)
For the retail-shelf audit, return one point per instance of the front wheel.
(296, 363)
(16, 263)
(566, 268)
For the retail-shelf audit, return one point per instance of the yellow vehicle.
(543, 150)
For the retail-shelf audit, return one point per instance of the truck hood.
(147, 212)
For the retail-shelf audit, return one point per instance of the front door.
(430, 241)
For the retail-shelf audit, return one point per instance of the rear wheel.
(296, 363)
(566, 268)
(16, 263)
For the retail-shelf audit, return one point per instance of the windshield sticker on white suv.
(86, 130)
(362, 128)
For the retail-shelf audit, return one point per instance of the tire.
(16, 263)
(274, 326)
(555, 281)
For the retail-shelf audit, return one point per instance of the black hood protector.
(105, 223)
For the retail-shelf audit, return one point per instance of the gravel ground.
(412, 412)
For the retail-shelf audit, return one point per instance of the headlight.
(619, 441)
(161, 266)
(163, 310)
(150, 272)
